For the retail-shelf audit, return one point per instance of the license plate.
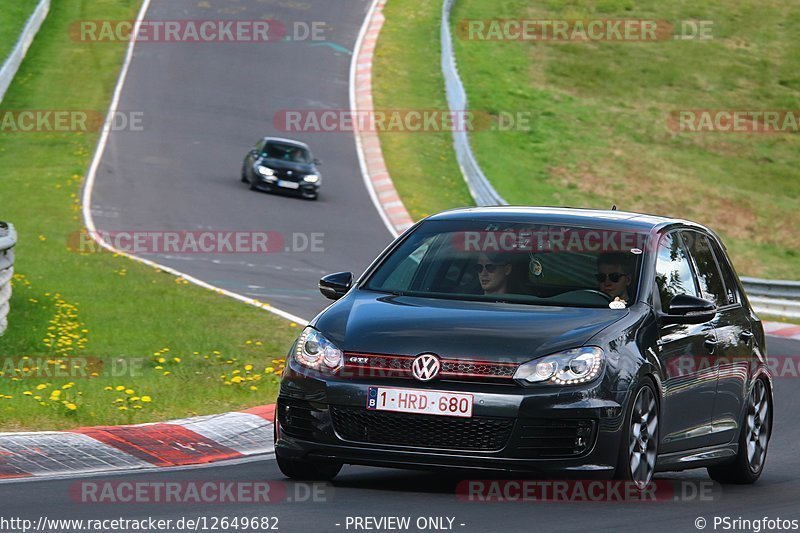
(288, 184)
(425, 402)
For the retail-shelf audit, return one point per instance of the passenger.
(614, 275)
(493, 271)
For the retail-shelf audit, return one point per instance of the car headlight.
(314, 351)
(311, 178)
(570, 367)
(265, 171)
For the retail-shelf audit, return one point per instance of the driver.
(614, 275)
(493, 271)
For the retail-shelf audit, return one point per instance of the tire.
(309, 470)
(754, 437)
(253, 186)
(244, 176)
(638, 450)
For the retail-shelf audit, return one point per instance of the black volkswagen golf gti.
(563, 342)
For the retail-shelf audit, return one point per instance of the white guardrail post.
(8, 239)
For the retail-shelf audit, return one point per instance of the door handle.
(710, 345)
(746, 335)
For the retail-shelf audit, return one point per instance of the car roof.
(609, 219)
(286, 141)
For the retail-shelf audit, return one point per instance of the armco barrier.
(480, 188)
(8, 239)
(780, 298)
(775, 297)
(11, 65)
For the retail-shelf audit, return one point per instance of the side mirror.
(687, 309)
(334, 286)
(254, 152)
(317, 162)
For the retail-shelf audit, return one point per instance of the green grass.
(97, 305)
(407, 76)
(599, 112)
(15, 15)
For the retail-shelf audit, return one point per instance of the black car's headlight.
(570, 367)
(265, 171)
(311, 178)
(314, 351)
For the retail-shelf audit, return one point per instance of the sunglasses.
(491, 268)
(614, 277)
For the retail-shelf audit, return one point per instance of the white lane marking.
(92, 173)
(362, 159)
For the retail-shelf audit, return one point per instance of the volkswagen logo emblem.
(426, 367)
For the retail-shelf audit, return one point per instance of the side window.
(673, 271)
(728, 277)
(708, 274)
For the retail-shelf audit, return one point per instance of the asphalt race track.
(361, 491)
(204, 106)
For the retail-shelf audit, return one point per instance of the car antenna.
(613, 207)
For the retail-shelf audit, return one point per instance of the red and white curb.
(191, 441)
(783, 330)
(373, 168)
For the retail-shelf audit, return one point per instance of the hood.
(372, 322)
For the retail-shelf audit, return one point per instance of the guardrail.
(8, 239)
(479, 186)
(775, 297)
(10, 66)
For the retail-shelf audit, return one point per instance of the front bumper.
(513, 428)
(271, 185)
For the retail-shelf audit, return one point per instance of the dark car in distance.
(283, 165)
(568, 342)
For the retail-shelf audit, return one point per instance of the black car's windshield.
(515, 262)
(286, 152)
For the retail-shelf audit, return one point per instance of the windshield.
(286, 152)
(515, 262)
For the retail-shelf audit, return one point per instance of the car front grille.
(399, 366)
(424, 431)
